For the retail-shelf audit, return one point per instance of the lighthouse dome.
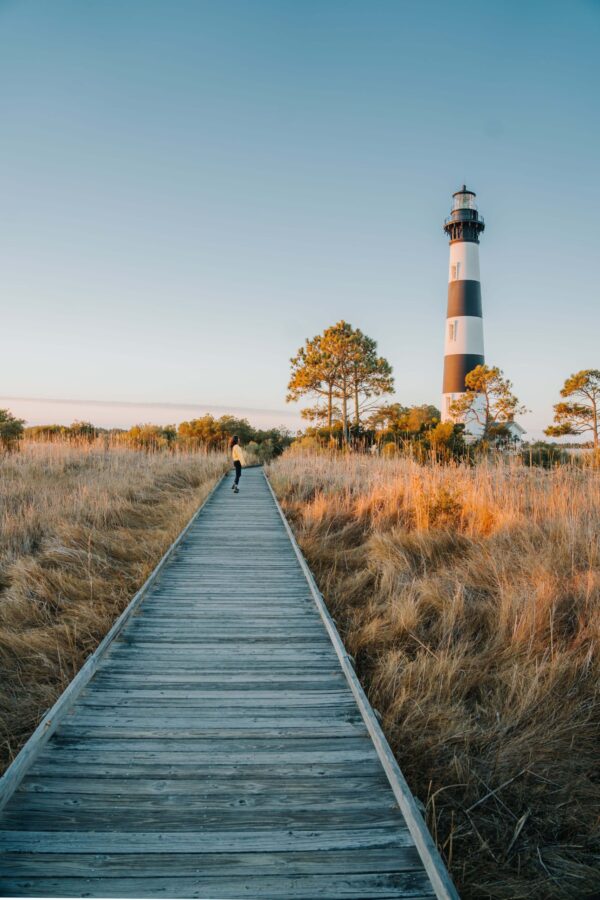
(463, 199)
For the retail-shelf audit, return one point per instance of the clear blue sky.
(189, 189)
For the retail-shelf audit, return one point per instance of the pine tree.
(340, 366)
(581, 414)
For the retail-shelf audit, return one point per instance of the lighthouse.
(464, 323)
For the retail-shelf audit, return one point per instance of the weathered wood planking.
(220, 748)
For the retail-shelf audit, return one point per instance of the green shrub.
(11, 430)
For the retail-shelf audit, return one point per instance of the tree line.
(348, 382)
(205, 433)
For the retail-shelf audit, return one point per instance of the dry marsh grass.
(470, 599)
(81, 528)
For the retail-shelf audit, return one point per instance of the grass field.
(80, 530)
(470, 599)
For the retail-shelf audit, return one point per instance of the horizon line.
(125, 404)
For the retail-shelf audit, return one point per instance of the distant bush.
(215, 434)
(544, 455)
(150, 437)
(47, 433)
(11, 430)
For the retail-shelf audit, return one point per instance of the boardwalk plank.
(217, 786)
(205, 803)
(149, 727)
(163, 864)
(245, 771)
(268, 698)
(233, 681)
(337, 886)
(205, 841)
(135, 818)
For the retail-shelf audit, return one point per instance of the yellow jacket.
(237, 454)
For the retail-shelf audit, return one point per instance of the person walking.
(238, 462)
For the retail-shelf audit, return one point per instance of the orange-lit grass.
(470, 598)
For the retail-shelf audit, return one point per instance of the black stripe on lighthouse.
(456, 368)
(464, 299)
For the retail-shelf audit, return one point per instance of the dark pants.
(238, 470)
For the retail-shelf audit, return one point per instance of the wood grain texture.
(267, 886)
(218, 749)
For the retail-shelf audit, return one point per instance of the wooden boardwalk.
(219, 750)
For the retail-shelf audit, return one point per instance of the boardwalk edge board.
(17, 770)
(430, 856)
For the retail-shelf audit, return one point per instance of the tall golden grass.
(81, 528)
(470, 599)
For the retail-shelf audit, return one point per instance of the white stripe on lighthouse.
(464, 334)
(464, 261)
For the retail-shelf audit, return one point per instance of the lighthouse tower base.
(474, 423)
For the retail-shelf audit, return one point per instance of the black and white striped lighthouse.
(464, 323)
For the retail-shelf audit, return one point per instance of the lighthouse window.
(455, 271)
(453, 330)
